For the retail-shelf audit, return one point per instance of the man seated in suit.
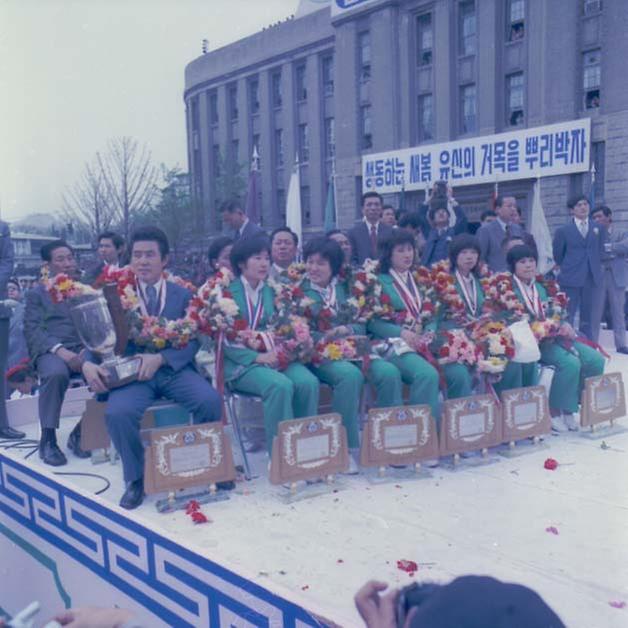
(56, 350)
(370, 231)
(440, 235)
(110, 251)
(283, 251)
(491, 235)
(170, 373)
(578, 250)
(236, 220)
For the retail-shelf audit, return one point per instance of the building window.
(330, 138)
(254, 96)
(233, 102)
(300, 82)
(514, 98)
(426, 118)
(364, 56)
(305, 205)
(424, 39)
(304, 144)
(194, 113)
(279, 159)
(235, 150)
(591, 7)
(281, 204)
(469, 108)
(366, 133)
(327, 70)
(467, 28)
(216, 159)
(213, 108)
(275, 88)
(591, 73)
(516, 19)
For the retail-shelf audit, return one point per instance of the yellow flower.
(159, 343)
(333, 352)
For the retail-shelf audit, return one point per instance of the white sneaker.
(353, 467)
(558, 424)
(430, 463)
(572, 422)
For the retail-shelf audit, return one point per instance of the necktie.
(583, 228)
(236, 235)
(374, 241)
(151, 296)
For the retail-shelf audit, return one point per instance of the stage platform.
(263, 561)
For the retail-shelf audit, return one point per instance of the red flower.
(407, 565)
(199, 517)
(385, 299)
(297, 293)
(192, 506)
(240, 324)
(227, 294)
(551, 464)
(444, 352)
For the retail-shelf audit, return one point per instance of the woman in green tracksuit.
(291, 393)
(573, 360)
(411, 318)
(328, 316)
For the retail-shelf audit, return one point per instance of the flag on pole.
(495, 195)
(253, 189)
(293, 202)
(330, 205)
(592, 190)
(540, 231)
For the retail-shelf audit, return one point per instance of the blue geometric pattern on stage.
(172, 582)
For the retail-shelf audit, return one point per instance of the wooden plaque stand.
(525, 413)
(603, 399)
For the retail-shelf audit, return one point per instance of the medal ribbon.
(532, 301)
(471, 297)
(409, 293)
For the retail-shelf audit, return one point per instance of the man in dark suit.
(492, 235)
(440, 235)
(6, 268)
(56, 350)
(234, 217)
(169, 373)
(578, 251)
(110, 251)
(442, 192)
(366, 236)
(614, 279)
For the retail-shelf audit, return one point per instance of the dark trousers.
(4, 350)
(582, 299)
(126, 406)
(54, 375)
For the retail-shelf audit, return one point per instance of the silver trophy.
(96, 329)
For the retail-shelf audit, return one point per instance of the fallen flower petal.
(551, 464)
(199, 517)
(617, 604)
(192, 506)
(552, 530)
(407, 565)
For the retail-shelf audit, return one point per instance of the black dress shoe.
(50, 453)
(134, 495)
(74, 444)
(623, 350)
(228, 485)
(9, 432)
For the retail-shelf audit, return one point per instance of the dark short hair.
(295, 237)
(245, 248)
(397, 238)
(437, 206)
(15, 281)
(332, 232)
(410, 219)
(371, 195)
(518, 253)
(151, 234)
(574, 200)
(216, 246)
(327, 249)
(509, 239)
(605, 209)
(487, 213)
(48, 248)
(400, 213)
(231, 205)
(459, 244)
(385, 207)
(499, 201)
(116, 238)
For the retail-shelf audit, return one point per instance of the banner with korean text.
(543, 151)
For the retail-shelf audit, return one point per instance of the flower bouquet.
(495, 344)
(350, 348)
(62, 287)
(453, 345)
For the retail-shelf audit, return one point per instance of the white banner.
(340, 7)
(539, 152)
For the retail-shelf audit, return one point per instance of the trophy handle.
(118, 316)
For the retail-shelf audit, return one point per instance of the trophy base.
(122, 371)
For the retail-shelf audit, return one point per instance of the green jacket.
(446, 318)
(542, 295)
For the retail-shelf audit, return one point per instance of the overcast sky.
(76, 73)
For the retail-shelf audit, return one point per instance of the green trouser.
(517, 375)
(458, 378)
(571, 371)
(422, 378)
(346, 380)
(292, 393)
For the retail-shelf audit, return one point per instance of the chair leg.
(237, 430)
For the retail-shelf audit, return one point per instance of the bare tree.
(130, 178)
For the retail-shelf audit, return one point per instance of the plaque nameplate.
(603, 399)
(401, 435)
(525, 413)
(186, 456)
(470, 424)
(308, 449)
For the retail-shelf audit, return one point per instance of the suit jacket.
(47, 324)
(91, 274)
(251, 229)
(615, 261)
(6, 265)
(437, 246)
(361, 240)
(578, 256)
(491, 238)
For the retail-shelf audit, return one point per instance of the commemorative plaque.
(525, 413)
(603, 399)
(470, 424)
(309, 449)
(184, 457)
(402, 435)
